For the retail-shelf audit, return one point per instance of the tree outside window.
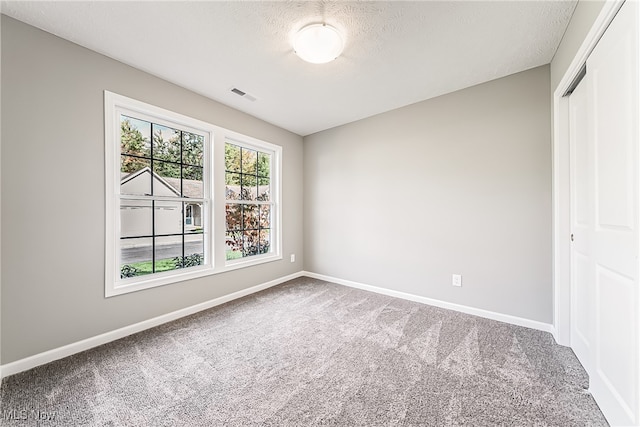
(249, 205)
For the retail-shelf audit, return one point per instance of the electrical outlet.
(456, 280)
(293, 257)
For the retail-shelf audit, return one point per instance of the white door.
(582, 265)
(605, 250)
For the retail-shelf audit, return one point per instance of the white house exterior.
(136, 216)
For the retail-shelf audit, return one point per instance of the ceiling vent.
(243, 94)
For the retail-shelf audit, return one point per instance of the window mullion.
(182, 204)
(153, 233)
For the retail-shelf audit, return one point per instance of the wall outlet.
(456, 280)
(293, 257)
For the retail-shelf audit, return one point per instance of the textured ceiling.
(397, 53)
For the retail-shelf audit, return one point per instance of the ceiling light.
(318, 43)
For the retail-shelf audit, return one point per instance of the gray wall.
(53, 194)
(456, 184)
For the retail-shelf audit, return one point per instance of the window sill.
(250, 261)
(128, 286)
(131, 285)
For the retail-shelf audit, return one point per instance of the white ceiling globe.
(318, 43)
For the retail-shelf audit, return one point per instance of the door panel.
(615, 360)
(612, 76)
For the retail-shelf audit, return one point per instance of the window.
(248, 201)
(161, 177)
(163, 172)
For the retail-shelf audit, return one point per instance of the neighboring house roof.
(191, 188)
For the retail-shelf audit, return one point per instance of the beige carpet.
(312, 353)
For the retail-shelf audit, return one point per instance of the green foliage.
(251, 249)
(264, 165)
(232, 158)
(166, 264)
(165, 151)
(248, 169)
(146, 267)
(233, 254)
(169, 150)
(188, 261)
(192, 148)
(244, 242)
(255, 246)
(132, 142)
(128, 271)
(245, 161)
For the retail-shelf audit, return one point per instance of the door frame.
(561, 189)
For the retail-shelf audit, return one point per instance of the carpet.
(309, 353)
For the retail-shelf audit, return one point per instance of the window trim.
(214, 195)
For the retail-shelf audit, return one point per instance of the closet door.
(612, 79)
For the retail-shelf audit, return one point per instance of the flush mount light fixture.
(318, 43)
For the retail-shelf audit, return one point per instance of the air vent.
(243, 94)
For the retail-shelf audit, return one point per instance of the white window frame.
(213, 215)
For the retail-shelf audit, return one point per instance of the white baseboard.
(73, 348)
(514, 320)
